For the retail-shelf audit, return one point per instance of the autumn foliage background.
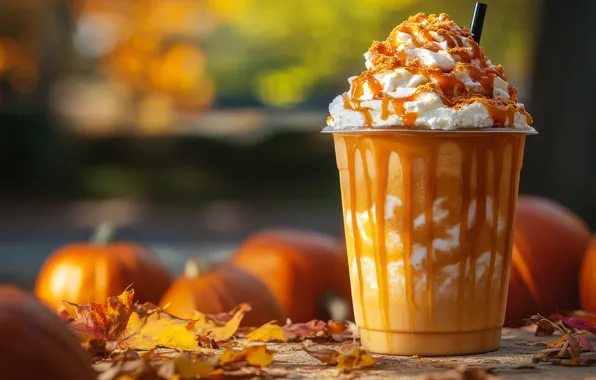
(192, 124)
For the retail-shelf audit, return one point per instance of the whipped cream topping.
(430, 74)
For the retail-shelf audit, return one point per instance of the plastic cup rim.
(360, 130)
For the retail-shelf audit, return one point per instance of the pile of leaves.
(129, 340)
(572, 347)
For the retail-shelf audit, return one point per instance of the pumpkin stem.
(196, 267)
(104, 233)
(335, 306)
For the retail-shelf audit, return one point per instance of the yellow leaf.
(269, 332)
(190, 370)
(158, 329)
(222, 333)
(256, 356)
(201, 320)
(163, 329)
(358, 358)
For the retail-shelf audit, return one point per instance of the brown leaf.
(222, 319)
(249, 372)
(301, 331)
(545, 355)
(545, 327)
(462, 373)
(99, 349)
(557, 343)
(356, 359)
(323, 354)
(256, 356)
(186, 368)
(271, 332)
(103, 322)
(573, 349)
(570, 354)
(118, 369)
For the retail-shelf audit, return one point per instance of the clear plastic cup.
(429, 219)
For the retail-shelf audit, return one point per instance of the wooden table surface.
(512, 361)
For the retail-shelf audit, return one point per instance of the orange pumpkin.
(549, 245)
(220, 289)
(587, 279)
(303, 269)
(35, 343)
(92, 272)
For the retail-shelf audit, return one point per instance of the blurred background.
(193, 123)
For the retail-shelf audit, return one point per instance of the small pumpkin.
(92, 272)
(587, 279)
(35, 343)
(219, 289)
(549, 245)
(306, 271)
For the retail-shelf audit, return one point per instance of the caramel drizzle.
(388, 56)
(498, 156)
(351, 158)
(374, 193)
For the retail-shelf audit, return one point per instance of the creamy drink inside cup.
(429, 143)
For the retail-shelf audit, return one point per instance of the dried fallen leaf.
(557, 343)
(162, 329)
(99, 349)
(256, 356)
(336, 330)
(124, 364)
(249, 372)
(517, 368)
(584, 343)
(323, 354)
(546, 327)
(462, 373)
(102, 322)
(356, 359)
(545, 355)
(578, 324)
(301, 331)
(566, 350)
(269, 332)
(225, 332)
(220, 319)
(158, 329)
(573, 350)
(186, 368)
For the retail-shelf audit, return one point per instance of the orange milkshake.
(429, 144)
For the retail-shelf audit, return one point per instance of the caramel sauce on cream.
(427, 33)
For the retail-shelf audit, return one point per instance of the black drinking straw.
(478, 21)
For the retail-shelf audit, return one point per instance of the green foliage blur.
(301, 52)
